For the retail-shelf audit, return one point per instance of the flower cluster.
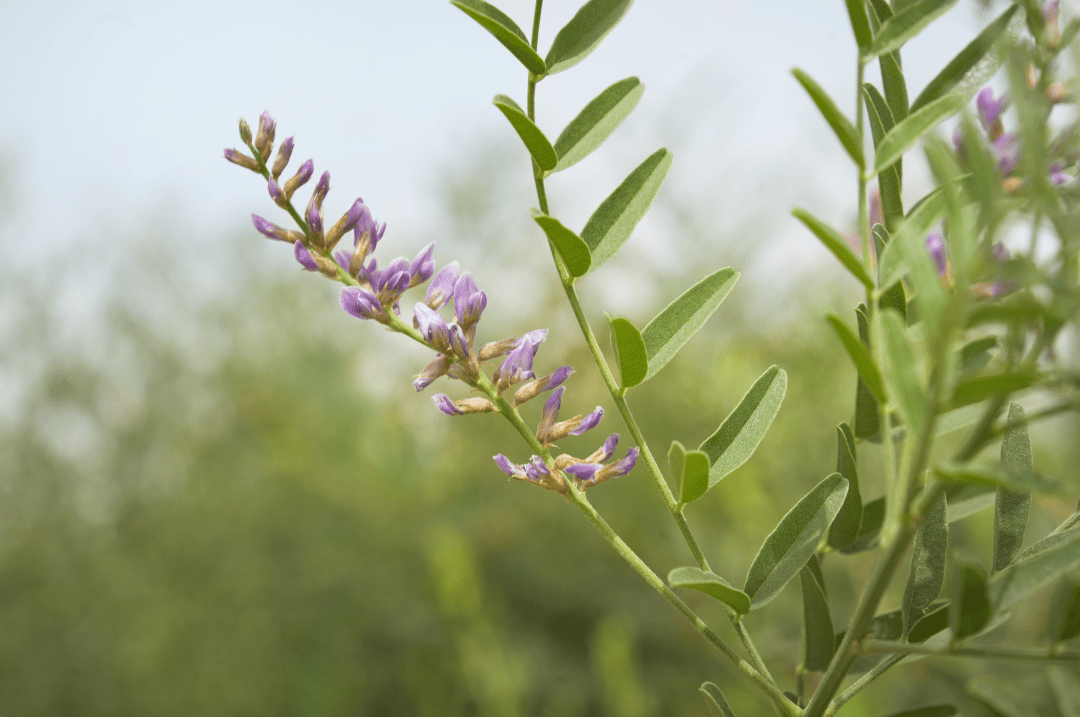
(374, 293)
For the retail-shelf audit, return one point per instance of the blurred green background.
(219, 494)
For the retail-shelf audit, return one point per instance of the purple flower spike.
(590, 421)
(935, 245)
(361, 303)
(441, 289)
(511, 469)
(469, 302)
(304, 257)
(990, 109)
(423, 266)
(1007, 150)
(446, 405)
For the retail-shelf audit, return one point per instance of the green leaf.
(696, 478)
(1012, 507)
(1065, 684)
(595, 123)
(819, 638)
(873, 517)
(906, 133)
(867, 421)
(894, 85)
(676, 457)
(710, 584)
(860, 25)
(505, 31)
(845, 529)
(614, 220)
(714, 698)
(841, 125)
(980, 388)
(901, 376)
(629, 352)
(739, 435)
(794, 540)
(535, 141)
(927, 572)
(969, 60)
(572, 249)
(1064, 623)
(967, 500)
(889, 182)
(976, 354)
(583, 33)
(835, 243)
(1057, 537)
(672, 328)
(1024, 577)
(908, 245)
(972, 474)
(936, 620)
(868, 371)
(970, 608)
(932, 711)
(906, 24)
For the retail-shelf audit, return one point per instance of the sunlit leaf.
(1058, 536)
(572, 249)
(535, 141)
(927, 572)
(595, 123)
(794, 540)
(895, 87)
(907, 23)
(584, 32)
(980, 388)
(1012, 507)
(840, 124)
(629, 352)
(673, 327)
(881, 121)
(614, 220)
(505, 31)
(835, 242)
(696, 477)
(739, 435)
(710, 584)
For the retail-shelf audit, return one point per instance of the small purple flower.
(446, 405)
(432, 327)
(269, 229)
(590, 421)
(592, 473)
(990, 109)
(423, 266)
(537, 469)
(459, 342)
(511, 469)
(365, 224)
(360, 302)
(304, 257)
(276, 192)
(264, 138)
(605, 451)
(391, 282)
(1007, 151)
(315, 224)
(935, 245)
(519, 362)
(561, 374)
(284, 154)
(584, 471)
(438, 367)
(441, 289)
(469, 302)
(1000, 252)
(241, 159)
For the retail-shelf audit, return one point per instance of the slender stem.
(994, 653)
(862, 683)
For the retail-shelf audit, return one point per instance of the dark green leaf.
(972, 474)
(505, 31)
(1024, 577)
(612, 223)
(583, 33)
(872, 519)
(907, 23)
(841, 125)
(691, 470)
(896, 299)
(595, 123)
(860, 25)
(741, 432)
(975, 355)
(868, 371)
(572, 249)
(881, 117)
(932, 711)
(535, 141)
(1065, 612)
(818, 634)
(794, 540)
(1011, 509)
(629, 352)
(936, 620)
(835, 243)
(845, 529)
(906, 133)
(901, 377)
(714, 698)
(673, 327)
(710, 584)
(970, 609)
(867, 421)
(968, 60)
(980, 388)
(927, 572)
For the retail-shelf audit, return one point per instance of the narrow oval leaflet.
(710, 584)
(682, 318)
(931, 711)
(739, 435)
(901, 377)
(867, 420)
(819, 637)
(1024, 577)
(907, 23)
(595, 123)
(970, 609)
(845, 529)
(505, 31)
(927, 572)
(834, 241)
(894, 85)
(714, 698)
(535, 141)
(905, 134)
(614, 220)
(865, 365)
(629, 352)
(889, 179)
(860, 24)
(573, 250)
(794, 540)
(840, 124)
(695, 477)
(980, 388)
(579, 37)
(1012, 506)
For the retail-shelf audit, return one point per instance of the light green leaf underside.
(840, 124)
(714, 698)
(571, 248)
(835, 242)
(579, 37)
(926, 574)
(710, 584)
(1012, 506)
(629, 351)
(595, 123)
(866, 367)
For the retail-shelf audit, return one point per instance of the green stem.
(862, 683)
(994, 653)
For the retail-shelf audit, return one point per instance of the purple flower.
(365, 224)
(270, 230)
(584, 471)
(360, 302)
(284, 154)
(442, 288)
(432, 327)
(1057, 174)
(304, 257)
(391, 282)
(446, 405)
(990, 109)
(476, 404)
(935, 245)
(438, 367)
(314, 219)
(469, 302)
(535, 472)
(511, 469)
(264, 138)
(1000, 252)
(241, 159)
(549, 431)
(519, 362)
(537, 469)
(1007, 151)
(588, 422)
(592, 473)
(423, 266)
(276, 192)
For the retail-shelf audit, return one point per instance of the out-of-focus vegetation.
(169, 545)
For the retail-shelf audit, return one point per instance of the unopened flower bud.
(315, 226)
(284, 153)
(273, 231)
(327, 267)
(423, 266)
(1056, 92)
(1012, 185)
(439, 367)
(245, 131)
(469, 302)
(441, 289)
(1032, 76)
(348, 221)
(241, 159)
(302, 176)
(361, 303)
(476, 404)
(547, 383)
(264, 138)
(303, 256)
(276, 194)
